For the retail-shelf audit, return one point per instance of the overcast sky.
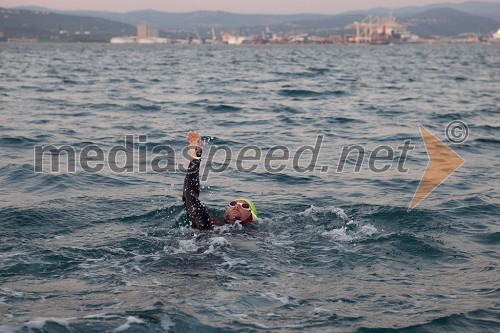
(235, 6)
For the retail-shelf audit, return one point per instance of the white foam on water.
(309, 212)
(351, 231)
(211, 249)
(127, 324)
(221, 241)
(186, 245)
(166, 322)
(191, 245)
(344, 234)
(216, 242)
(227, 228)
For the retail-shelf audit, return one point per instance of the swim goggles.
(243, 205)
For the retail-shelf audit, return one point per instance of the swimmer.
(239, 210)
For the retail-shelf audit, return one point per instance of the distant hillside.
(195, 19)
(166, 20)
(478, 8)
(101, 26)
(52, 26)
(206, 19)
(448, 22)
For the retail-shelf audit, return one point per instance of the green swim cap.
(252, 207)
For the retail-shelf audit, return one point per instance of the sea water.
(111, 251)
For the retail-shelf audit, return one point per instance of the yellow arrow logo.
(442, 163)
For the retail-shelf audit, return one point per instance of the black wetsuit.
(196, 211)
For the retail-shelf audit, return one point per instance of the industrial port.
(375, 30)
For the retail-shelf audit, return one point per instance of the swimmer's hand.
(195, 144)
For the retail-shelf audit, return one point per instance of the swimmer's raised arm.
(196, 211)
